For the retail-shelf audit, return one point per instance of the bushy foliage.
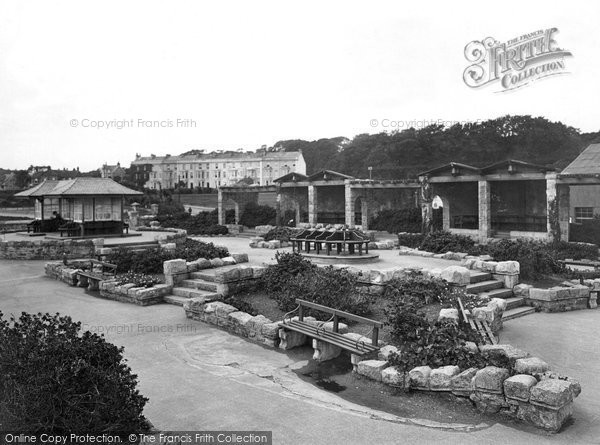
(412, 240)
(575, 251)
(280, 233)
(294, 277)
(536, 258)
(151, 261)
(397, 220)
(257, 215)
(56, 379)
(417, 290)
(442, 242)
(586, 231)
(139, 279)
(203, 223)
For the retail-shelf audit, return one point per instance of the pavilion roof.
(79, 186)
(586, 164)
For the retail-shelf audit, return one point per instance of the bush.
(586, 231)
(280, 233)
(412, 240)
(397, 220)
(575, 251)
(55, 379)
(295, 277)
(442, 242)
(257, 215)
(151, 261)
(536, 258)
(417, 290)
(139, 279)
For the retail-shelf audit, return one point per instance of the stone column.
(297, 208)
(445, 214)
(551, 195)
(485, 211)
(312, 204)
(564, 208)
(278, 217)
(349, 207)
(220, 208)
(364, 214)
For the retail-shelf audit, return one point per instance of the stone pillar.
(564, 208)
(364, 214)
(220, 208)
(485, 211)
(551, 195)
(133, 219)
(349, 206)
(297, 208)
(237, 212)
(445, 214)
(312, 204)
(278, 217)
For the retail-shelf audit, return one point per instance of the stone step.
(497, 293)
(205, 275)
(174, 299)
(200, 284)
(514, 302)
(517, 312)
(477, 276)
(483, 286)
(187, 292)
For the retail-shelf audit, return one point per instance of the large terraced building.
(215, 169)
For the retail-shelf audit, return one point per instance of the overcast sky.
(255, 72)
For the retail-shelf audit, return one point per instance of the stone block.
(440, 379)
(456, 275)
(508, 267)
(386, 351)
(221, 309)
(174, 267)
(104, 251)
(271, 331)
(255, 325)
(462, 383)
(371, 368)
(216, 262)
(203, 263)
(391, 376)
(504, 350)
(240, 257)
(518, 386)
(168, 246)
(418, 377)
(258, 271)
(522, 290)
(228, 261)
(291, 339)
(227, 275)
(239, 321)
(545, 418)
(468, 263)
(274, 244)
(245, 272)
(488, 402)
(490, 379)
(449, 314)
(531, 366)
(551, 393)
(324, 351)
(489, 266)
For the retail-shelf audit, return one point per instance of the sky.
(88, 83)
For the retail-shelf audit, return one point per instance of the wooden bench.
(481, 326)
(317, 331)
(586, 263)
(91, 278)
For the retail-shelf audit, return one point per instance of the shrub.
(397, 220)
(586, 231)
(417, 290)
(280, 233)
(442, 242)
(55, 379)
(139, 279)
(151, 261)
(257, 215)
(412, 240)
(295, 277)
(575, 251)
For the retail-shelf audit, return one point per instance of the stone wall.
(569, 296)
(46, 249)
(528, 391)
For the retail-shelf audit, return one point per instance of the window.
(583, 213)
(103, 209)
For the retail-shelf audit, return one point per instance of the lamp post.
(370, 173)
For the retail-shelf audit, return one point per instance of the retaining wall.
(46, 249)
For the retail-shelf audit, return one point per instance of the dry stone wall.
(46, 249)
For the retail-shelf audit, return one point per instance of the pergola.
(93, 205)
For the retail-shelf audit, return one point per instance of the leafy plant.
(397, 220)
(417, 290)
(139, 279)
(56, 379)
(257, 215)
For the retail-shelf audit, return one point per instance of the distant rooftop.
(219, 155)
(586, 164)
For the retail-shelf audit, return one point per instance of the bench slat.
(342, 314)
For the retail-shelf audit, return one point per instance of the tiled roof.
(79, 186)
(587, 163)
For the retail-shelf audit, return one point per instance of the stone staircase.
(201, 284)
(483, 284)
